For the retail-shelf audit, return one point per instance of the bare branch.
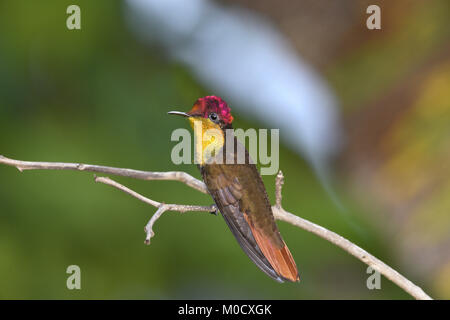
(162, 207)
(149, 227)
(279, 212)
(279, 181)
(354, 250)
(378, 265)
(135, 174)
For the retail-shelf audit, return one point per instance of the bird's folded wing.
(241, 230)
(272, 257)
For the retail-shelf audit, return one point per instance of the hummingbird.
(237, 189)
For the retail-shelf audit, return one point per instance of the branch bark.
(130, 173)
(279, 212)
(353, 249)
(162, 207)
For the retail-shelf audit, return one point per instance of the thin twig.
(279, 212)
(162, 207)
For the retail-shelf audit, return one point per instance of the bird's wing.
(263, 245)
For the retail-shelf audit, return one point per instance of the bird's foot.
(215, 210)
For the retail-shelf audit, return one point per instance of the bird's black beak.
(179, 113)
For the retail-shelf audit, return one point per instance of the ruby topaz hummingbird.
(237, 189)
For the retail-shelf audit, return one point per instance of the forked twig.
(162, 207)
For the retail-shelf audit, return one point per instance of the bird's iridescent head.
(210, 107)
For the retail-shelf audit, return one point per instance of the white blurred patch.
(243, 59)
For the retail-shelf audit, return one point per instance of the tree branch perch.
(279, 212)
(162, 207)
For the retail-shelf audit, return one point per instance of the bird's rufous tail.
(279, 257)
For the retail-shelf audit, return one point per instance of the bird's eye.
(213, 116)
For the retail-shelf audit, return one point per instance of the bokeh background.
(100, 95)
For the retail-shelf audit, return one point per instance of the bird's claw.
(215, 210)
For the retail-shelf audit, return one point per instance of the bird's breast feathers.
(209, 139)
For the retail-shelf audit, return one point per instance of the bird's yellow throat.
(208, 139)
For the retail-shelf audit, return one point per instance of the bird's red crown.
(204, 106)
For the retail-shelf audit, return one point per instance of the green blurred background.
(98, 96)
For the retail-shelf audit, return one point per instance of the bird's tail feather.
(279, 257)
